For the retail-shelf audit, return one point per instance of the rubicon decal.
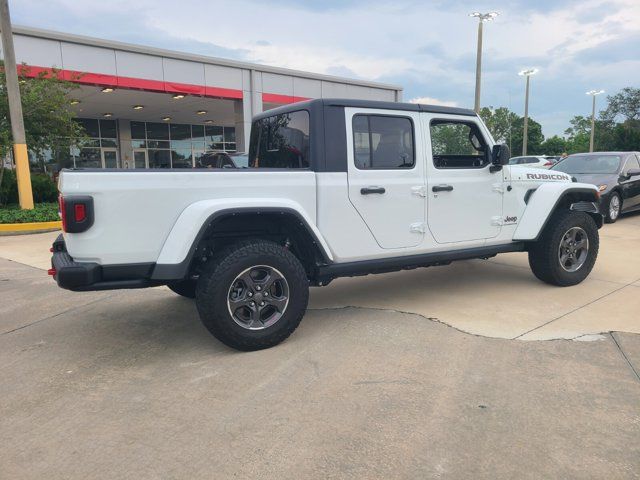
(546, 176)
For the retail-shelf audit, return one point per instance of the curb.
(26, 228)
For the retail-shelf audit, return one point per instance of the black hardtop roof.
(345, 102)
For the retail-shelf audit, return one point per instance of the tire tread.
(212, 279)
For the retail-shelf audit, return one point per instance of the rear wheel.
(567, 249)
(253, 295)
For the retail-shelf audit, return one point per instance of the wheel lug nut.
(262, 304)
(266, 294)
(250, 294)
(258, 288)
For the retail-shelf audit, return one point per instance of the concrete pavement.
(495, 298)
(129, 385)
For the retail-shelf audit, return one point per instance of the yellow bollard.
(23, 175)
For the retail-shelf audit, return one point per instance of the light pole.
(482, 17)
(526, 73)
(593, 94)
(25, 195)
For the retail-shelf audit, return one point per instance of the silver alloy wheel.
(573, 249)
(614, 207)
(258, 297)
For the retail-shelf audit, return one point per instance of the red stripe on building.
(277, 98)
(116, 81)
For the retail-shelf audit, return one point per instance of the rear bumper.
(87, 276)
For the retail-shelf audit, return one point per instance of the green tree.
(48, 117)
(578, 134)
(534, 137)
(500, 122)
(625, 104)
(554, 145)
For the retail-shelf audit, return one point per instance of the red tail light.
(62, 212)
(80, 212)
(76, 213)
(548, 164)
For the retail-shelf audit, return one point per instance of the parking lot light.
(527, 72)
(482, 17)
(593, 94)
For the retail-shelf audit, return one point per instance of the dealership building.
(144, 107)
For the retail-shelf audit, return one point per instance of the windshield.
(577, 164)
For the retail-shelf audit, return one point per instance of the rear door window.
(383, 142)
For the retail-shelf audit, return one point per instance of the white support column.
(124, 144)
(242, 116)
(244, 111)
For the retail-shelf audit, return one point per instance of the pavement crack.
(576, 309)
(624, 355)
(57, 314)
(393, 310)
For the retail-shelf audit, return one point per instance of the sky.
(428, 47)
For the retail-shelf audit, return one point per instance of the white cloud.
(434, 101)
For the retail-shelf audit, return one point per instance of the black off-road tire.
(607, 213)
(543, 255)
(186, 288)
(217, 278)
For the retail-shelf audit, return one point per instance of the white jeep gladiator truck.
(334, 188)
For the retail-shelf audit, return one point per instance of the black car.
(616, 174)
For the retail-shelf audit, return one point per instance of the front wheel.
(613, 208)
(567, 250)
(253, 295)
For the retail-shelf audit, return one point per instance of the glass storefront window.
(108, 129)
(159, 158)
(138, 131)
(89, 158)
(108, 142)
(91, 126)
(101, 145)
(181, 158)
(214, 137)
(176, 145)
(158, 131)
(180, 131)
(230, 134)
(157, 144)
(197, 133)
(197, 158)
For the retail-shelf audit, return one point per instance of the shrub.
(43, 212)
(44, 189)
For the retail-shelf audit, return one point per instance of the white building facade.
(144, 107)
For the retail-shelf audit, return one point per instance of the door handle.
(370, 190)
(442, 188)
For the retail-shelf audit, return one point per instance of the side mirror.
(500, 156)
(632, 172)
